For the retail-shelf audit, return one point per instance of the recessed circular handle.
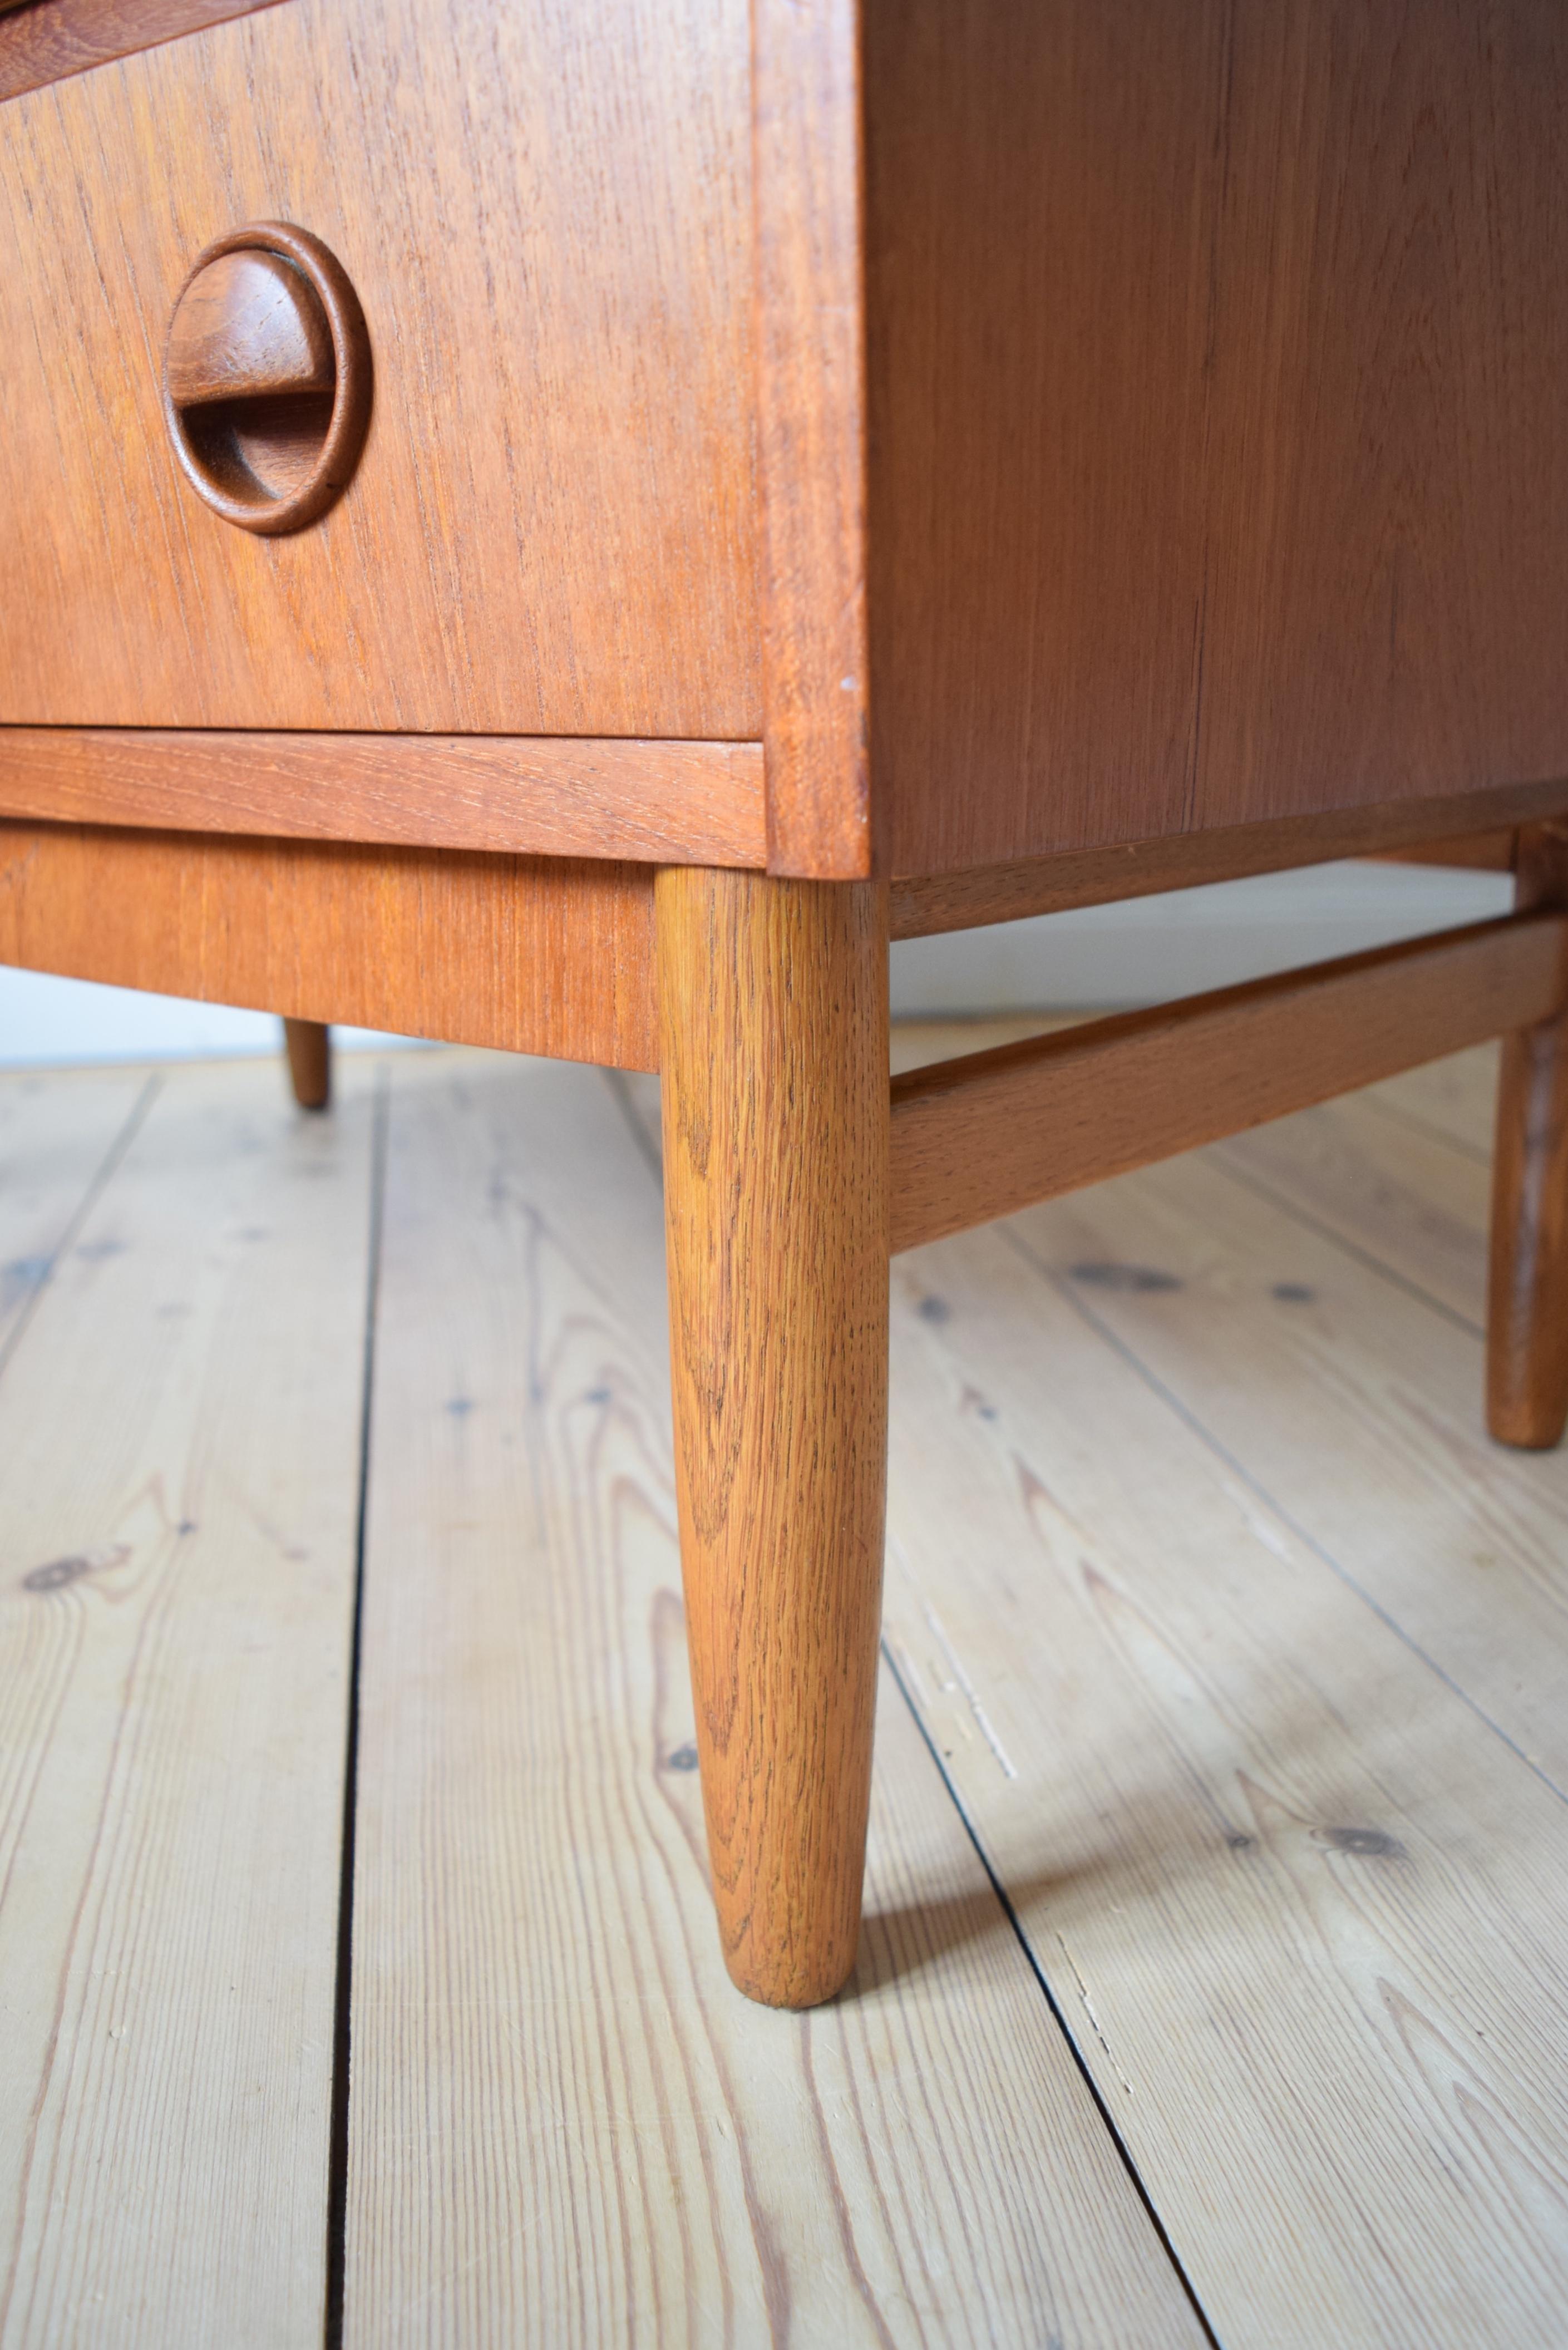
(267, 377)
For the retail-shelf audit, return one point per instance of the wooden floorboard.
(1409, 1201)
(1244, 1653)
(1456, 1097)
(1355, 1407)
(1400, 1174)
(60, 1135)
(1247, 1656)
(566, 2127)
(177, 1494)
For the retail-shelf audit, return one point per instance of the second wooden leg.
(1527, 1330)
(308, 1043)
(774, 1023)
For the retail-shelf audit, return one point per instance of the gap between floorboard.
(343, 2021)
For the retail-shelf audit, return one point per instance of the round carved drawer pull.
(267, 377)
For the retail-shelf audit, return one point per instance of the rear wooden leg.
(1526, 1328)
(773, 1027)
(309, 1048)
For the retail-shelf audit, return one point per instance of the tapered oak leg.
(774, 1021)
(1526, 1331)
(309, 1048)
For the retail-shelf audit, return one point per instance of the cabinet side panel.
(1219, 459)
(1041, 192)
(1389, 499)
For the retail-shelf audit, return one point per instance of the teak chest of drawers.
(566, 527)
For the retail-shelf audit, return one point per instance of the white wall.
(58, 1020)
(1135, 952)
(1147, 949)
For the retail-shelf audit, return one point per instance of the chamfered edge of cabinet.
(673, 803)
(43, 41)
(810, 347)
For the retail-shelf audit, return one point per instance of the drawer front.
(545, 211)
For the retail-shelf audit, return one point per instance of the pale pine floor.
(1213, 1984)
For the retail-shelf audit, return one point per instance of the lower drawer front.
(545, 214)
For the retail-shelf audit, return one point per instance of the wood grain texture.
(544, 796)
(811, 434)
(308, 1045)
(984, 1135)
(921, 904)
(773, 1051)
(532, 955)
(546, 215)
(247, 326)
(1301, 1906)
(43, 41)
(1398, 1174)
(267, 378)
(178, 1433)
(1527, 1350)
(1214, 393)
(565, 2127)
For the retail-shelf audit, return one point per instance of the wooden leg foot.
(1527, 1325)
(773, 1027)
(309, 1048)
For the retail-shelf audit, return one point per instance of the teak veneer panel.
(43, 41)
(1215, 387)
(546, 213)
(532, 955)
(668, 803)
(985, 1135)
